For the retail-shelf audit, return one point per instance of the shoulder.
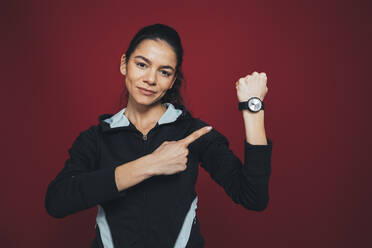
(87, 137)
(90, 133)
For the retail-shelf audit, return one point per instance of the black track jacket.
(153, 212)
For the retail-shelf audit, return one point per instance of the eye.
(141, 65)
(165, 73)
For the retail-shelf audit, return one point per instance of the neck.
(144, 116)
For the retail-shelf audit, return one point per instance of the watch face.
(254, 104)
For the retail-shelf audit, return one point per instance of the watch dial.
(254, 104)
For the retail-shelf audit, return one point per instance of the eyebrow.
(149, 62)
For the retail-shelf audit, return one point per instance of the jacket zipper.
(145, 140)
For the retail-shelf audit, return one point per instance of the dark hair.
(165, 33)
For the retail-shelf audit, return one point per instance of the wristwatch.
(254, 105)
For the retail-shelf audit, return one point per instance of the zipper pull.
(144, 137)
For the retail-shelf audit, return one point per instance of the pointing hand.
(171, 156)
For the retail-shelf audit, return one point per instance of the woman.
(140, 165)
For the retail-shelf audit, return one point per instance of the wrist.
(251, 115)
(148, 164)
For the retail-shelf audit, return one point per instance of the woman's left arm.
(246, 183)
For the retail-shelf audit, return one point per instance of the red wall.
(60, 70)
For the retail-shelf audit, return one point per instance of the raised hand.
(171, 156)
(252, 85)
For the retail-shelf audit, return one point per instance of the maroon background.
(60, 70)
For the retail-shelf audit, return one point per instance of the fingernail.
(209, 127)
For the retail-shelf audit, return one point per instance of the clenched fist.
(251, 85)
(171, 156)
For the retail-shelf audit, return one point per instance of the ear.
(123, 65)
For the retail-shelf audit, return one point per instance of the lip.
(145, 91)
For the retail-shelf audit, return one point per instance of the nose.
(150, 77)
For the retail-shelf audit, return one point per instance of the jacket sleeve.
(246, 184)
(80, 184)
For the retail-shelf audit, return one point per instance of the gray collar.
(120, 120)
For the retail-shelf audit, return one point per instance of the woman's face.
(151, 67)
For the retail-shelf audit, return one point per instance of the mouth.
(146, 92)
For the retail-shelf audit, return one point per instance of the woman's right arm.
(82, 185)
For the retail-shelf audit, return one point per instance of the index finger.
(195, 135)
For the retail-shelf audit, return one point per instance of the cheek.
(132, 76)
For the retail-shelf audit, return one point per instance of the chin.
(145, 100)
